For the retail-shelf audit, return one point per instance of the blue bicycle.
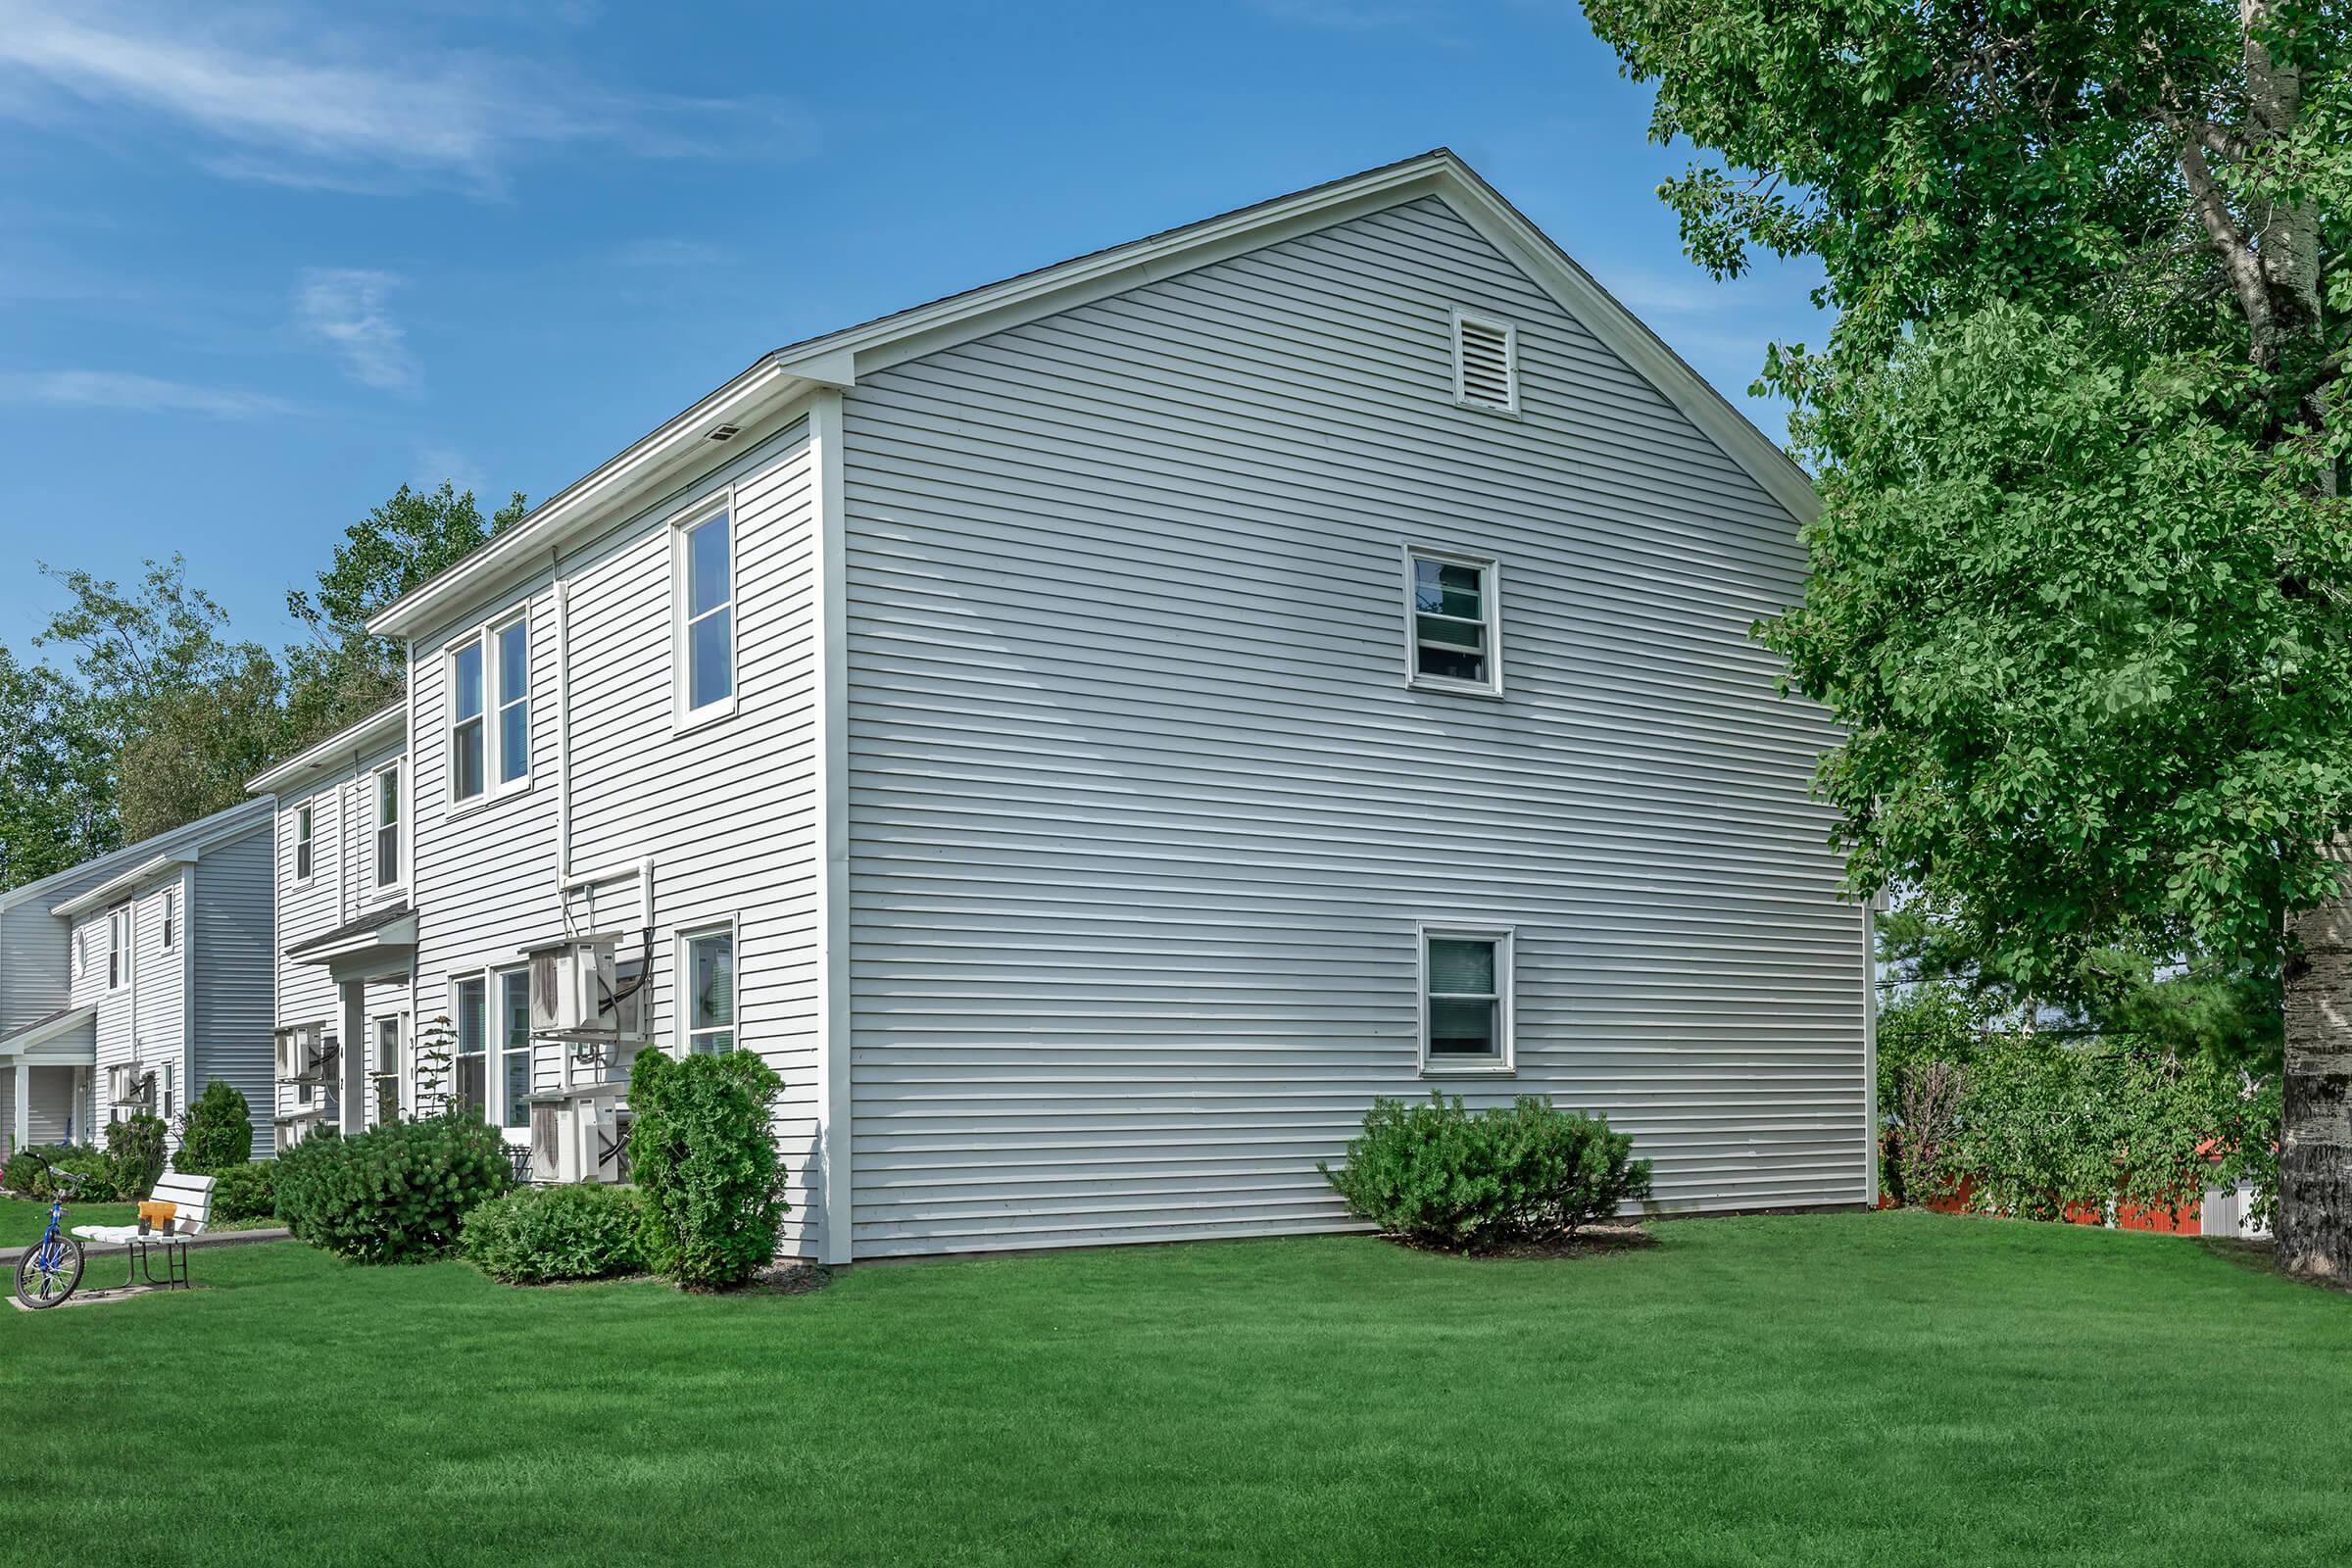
(48, 1272)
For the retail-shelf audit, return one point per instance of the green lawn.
(1849, 1389)
(21, 1220)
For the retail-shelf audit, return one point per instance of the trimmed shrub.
(215, 1132)
(1441, 1175)
(134, 1154)
(706, 1165)
(245, 1191)
(394, 1194)
(27, 1176)
(537, 1233)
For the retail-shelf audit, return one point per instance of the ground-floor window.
(386, 1067)
(515, 1048)
(709, 1007)
(1465, 998)
(471, 1068)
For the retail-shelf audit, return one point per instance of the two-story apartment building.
(1094, 733)
(132, 980)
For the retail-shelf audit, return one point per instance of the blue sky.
(261, 264)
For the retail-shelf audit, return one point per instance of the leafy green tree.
(56, 797)
(344, 674)
(216, 1131)
(2080, 574)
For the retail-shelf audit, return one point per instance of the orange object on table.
(158, 1213)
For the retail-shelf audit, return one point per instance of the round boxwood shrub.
(215, 1132)
(1444, 1176)
(537, 1233)
(245, 1191)
(706, 1165)
(134, 1154)
(394, 1194)
(27, 1176)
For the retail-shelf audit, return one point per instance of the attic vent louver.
(1485, 364)
(723, 432)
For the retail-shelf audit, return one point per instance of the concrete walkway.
(98, 1249)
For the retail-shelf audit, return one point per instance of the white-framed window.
(1465, 998)
(117, 947)
(385, 1067)
(490, 710)
(1486, 363)
(706, 1011)
(704, 651)
(470, 1074)
(387, 826)
(171, 917)
(468, 735)
(305, 842)
(81, 952)
(1452, 622)
(515, 1050)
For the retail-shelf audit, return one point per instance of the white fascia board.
(109, 891)
(605, 495)
(344, 747)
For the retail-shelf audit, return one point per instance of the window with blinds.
(1465, 1000)
(709, 1013)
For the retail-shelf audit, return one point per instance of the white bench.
(194, 1196)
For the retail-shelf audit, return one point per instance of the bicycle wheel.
(48, 1273)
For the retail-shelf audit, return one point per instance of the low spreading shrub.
(28, 1177)
(1441, 1175)
(706, 1165)
(537, 1233)
(245, 1191)
(394, 1194)
(216, 1132)
(134, 1154)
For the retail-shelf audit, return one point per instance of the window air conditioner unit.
(129, 1083)
(581, 992)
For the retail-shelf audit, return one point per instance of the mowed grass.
(1840, 1389)
(21, 1221)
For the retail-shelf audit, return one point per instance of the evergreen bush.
(216, 1132)
(394, 1194)
(134, 1154)
(245, 1191)
(705, 1161)
(537, 1233)
(25, 1176)
(1441, 1175)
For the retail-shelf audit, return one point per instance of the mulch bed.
(1591, 1242)
(787, 1279)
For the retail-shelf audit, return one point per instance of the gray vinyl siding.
(1142, 815)
(724, 808)
(229, 922)
(33, 982)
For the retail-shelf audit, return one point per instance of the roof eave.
(370, 734)
(108, 890)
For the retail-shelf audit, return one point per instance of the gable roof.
(149, 855)
(344, 748)
(839, 358)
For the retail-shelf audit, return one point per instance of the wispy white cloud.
(436, 463)
(270, 94)
(344, 309)
(131, 393)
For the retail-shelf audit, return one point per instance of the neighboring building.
(132, 980)
(345, 932)
(1094, 733)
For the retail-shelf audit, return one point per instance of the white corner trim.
(836, 1155)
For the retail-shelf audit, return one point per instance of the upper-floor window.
(709, 1008)
(1455, 622)
(706, 616)
(304, 841)
(387, 826)
(490, 710)
(170, 917)
(1465, 1000)
(1485, 364)
(117, 947)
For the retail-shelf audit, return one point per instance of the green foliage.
(537, 1233)
(56, 790)
(216, 1131)
(26, 1175)
(1440, 1175)
(245, 1191)
(394, 1194)
(2064, 615)
(134, 1153)
(705, 1160)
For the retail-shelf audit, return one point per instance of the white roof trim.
(837, 359)
(109, 891)
(346, 744)
(206, 832)
(65, 1023)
